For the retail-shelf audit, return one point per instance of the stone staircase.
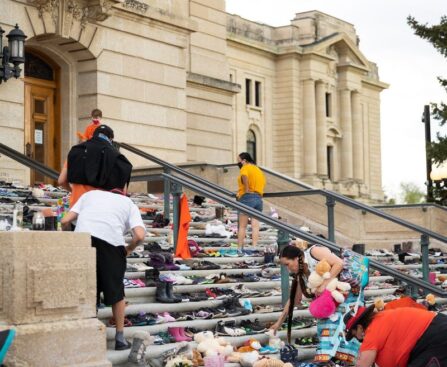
(143, 299)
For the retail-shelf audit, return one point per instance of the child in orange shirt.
(90, 129)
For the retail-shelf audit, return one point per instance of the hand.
(274, 328)
(129, 250)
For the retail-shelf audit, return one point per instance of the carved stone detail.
(47, 6)
(56, 287)
(136, 5)
(79, 10)
(99, 10)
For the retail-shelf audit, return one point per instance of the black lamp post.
(13, 54)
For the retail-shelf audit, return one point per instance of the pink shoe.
(181, 331)
(168, 317)
(175, 333)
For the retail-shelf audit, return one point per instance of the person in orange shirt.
(77, 189)
(401, 337)
(90, 129)
(251, 183)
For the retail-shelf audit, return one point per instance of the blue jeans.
(252, 200)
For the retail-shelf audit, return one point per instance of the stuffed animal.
(250, 346)
(335, 287)
(208, 345)
(267, 362)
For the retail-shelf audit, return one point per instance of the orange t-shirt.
(394, 333)
(77, 190)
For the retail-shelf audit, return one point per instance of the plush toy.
(208, 345)
(379, 304)
(335, 287)
(250, 346)
(267, 362)
(248, 359)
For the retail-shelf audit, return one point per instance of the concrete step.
(202, 324)
(120, 357)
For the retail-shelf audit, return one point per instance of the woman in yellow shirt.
(251, 183)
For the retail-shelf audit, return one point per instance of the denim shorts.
(252, 200)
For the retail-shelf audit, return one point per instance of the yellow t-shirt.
(256, 180)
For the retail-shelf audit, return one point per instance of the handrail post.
(176, 190)
(425, 241)
(166, 194)
(283, 240)
(330, 203)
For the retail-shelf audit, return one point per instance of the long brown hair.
(292, 253)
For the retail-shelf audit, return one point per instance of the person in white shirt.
(108, 216)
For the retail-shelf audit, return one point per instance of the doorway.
(42, 123)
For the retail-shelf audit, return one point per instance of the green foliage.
(437, 36)
(411, 193)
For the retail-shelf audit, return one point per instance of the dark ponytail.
(246, 156)
(292, 252)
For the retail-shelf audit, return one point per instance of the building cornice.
(214, 83)
(375, 84)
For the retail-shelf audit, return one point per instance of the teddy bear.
(335, 287)
(267, 362)
(209, 345)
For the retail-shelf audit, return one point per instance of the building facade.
(186, 81)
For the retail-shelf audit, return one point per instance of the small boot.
(175, 332)
(151, 277)
(161, 295)
(136, 358)
(170, 293)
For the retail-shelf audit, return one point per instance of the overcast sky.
(409, 64)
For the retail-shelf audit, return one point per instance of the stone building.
(186, 81)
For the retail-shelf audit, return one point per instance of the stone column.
(48, 295)
(309, 128)
(321, 129)
(346, 141)
(357, 137)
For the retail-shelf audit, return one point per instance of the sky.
(408, 63)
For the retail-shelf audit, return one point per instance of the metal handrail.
(301, 234)
(344, 200)
(422, 205)
(28, 162)
(240, 207)
(174, 168)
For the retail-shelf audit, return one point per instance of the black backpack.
(99, 164)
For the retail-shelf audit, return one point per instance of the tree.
(411, 193)
(437, 36)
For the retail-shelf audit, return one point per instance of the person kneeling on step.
(401, 337)
(107, 216)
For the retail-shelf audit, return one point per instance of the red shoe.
(210, 293)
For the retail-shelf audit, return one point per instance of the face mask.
(239, 165)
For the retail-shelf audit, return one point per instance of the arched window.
(37, 68)
(251, 144)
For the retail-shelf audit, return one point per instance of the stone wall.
(48, 294)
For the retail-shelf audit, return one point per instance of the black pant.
(110, 269)
(431, 348)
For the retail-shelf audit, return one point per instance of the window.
(328, 105)
(258, 96)
(251, 144)
(247, 91)
(330, 152)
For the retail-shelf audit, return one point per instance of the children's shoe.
(122, 346)
(141, 340)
